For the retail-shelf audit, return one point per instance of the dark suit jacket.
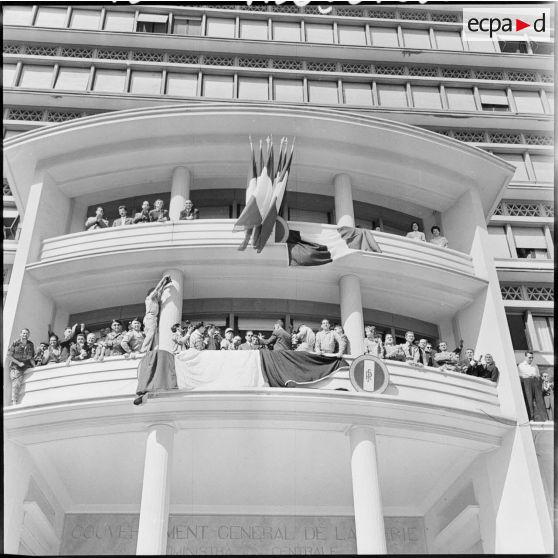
(471, 369)
(425, 358)
(280, 340)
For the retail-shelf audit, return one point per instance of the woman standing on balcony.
(437, 238)
(54, 351)
(415, 233)
(391, 350)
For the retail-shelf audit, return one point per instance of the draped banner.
(218, 370)
(292, 368)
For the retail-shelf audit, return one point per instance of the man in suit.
(143, 216)
(280, 339)
(248, 346)
(410, 349)
(97, 222)
(159, 214)
(123, 219)
(424, 355)
(469, 365)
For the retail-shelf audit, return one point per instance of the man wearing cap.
(227, 342)
(279, 339)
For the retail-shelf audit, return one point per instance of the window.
(515, 47)
(392, 95)
(544, 327)
(542, 48)
(253, 88)
(145, 82)
(357, 94)
(253, 29)
(218, 27)
(39, 77)
(286, 31)
(11, 231)
(544, 168)
(8, 74)
(530, 243)
(187, 26)
(449, 40)
(7, 272)
(73, 79)
(308, 215)
(287, 90)
(499, 242)
(528, 101)
(416, 38)
(17, 15)
(110, 80)
(323, 92)
(218, 86)
(184, 85)
(494, 100)
(516, 325)
(215, 212)
(351, 35)
(384, 37)
(152, 23)
(119, 21)
(50, 17)
(426, 97)
(460, 98)
(319, 33)
(481, 46)
(85, 19)
(518, 162)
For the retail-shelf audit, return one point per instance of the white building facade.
(397, 120)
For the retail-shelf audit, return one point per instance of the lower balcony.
(221, 372)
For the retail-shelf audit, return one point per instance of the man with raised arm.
(152, 301)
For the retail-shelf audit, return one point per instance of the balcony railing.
(218, 232)
(116, 377)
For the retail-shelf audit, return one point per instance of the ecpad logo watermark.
(481, 24)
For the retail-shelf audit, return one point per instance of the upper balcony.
(203, 248)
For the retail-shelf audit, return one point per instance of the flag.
(264, 190)
(250, 216)
(280, 185)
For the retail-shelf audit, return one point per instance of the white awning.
(493, 96)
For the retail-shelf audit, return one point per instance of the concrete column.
(154, 511)
(344, 211)
(351, 312)
(180, 191)
(367, 498)
(171, 308)
(17, 472)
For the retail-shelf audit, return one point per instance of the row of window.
(531, 332)
(276, 63)
(277, 89)
(258, 29)
(511, 241)
(518, 208)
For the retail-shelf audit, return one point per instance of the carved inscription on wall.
(102, 534)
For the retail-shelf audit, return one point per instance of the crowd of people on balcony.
(161, 215)
(147, 215)
(78, 344)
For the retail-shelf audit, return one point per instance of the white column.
(344, 211)
(154, 511)
(351, 312)
(367, 498)
(180, 191)
(17, 472)
(171, 308)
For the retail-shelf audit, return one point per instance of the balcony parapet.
(116, 377)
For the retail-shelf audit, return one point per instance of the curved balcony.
(116, 377)
(415, 268)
